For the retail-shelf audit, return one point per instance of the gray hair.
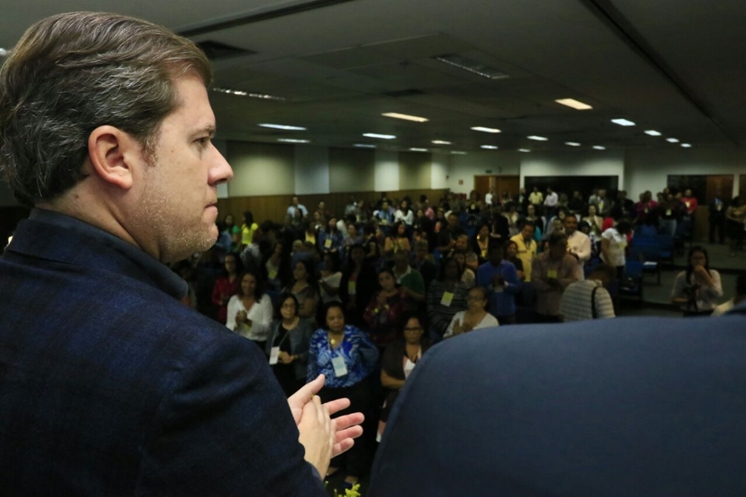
(74, 72)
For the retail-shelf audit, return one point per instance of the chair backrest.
(633, 269)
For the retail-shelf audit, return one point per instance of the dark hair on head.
(689, 267)
(571, 214)
(369, 228)
(556, 239)
(72, 73)
(283, 297)
(404, 317)
(444, 263)
(423, 197)
(485, 296)
(325, 312)
(334, 256)
(624, 227)
(388, 270)
(248, 218)
(259, 289)
(524, 222)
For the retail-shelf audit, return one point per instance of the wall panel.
(351, 170)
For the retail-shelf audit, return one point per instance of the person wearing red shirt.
(226, 287)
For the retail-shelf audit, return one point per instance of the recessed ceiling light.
(364, 145)
(282, 126)
(415, 149)
(472, 66)
(623, 122)
(3, 52)
(242, 93)
(458, 152)
(376, 135)
(599, 147)
(672, 140)
(652, 132)
(486, 130)
(405, 117)
(490, 147)
(573, 144)
(524, 150)
(292, 140)
(441, 142)
(537, 138)
(575, 104)
(686, 145)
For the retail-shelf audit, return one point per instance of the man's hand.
(347, 427)
(317, 434)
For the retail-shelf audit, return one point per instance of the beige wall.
(415, 170)
(351, 170)
(261, 169)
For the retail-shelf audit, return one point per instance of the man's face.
(602, 193)
(177, 207)
(557, 251)
(452, 221)
(462, 242)
(570, 224)
(295, 201)
(527, 232)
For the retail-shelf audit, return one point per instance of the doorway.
(501, 184)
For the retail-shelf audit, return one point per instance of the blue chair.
(631, 284)
(667, 247)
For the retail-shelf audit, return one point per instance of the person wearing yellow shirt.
(526, 247)
(248, 228)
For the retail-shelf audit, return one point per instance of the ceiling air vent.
(218, 51)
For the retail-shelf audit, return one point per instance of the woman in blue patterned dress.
(345, 356)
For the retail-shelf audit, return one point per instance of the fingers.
(350, 433)
(335, 406)
(344, 422)
(306, 393)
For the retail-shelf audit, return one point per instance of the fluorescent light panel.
(490, 147)
(415, 149)
(458, 152)
(472, 66)
(282, 126)
(376, 135)
(686, 145)
(672, 140)
(599, 147)
(242, 93)
(575, 104)
(652, 132)
(623, 122)
(441, 142)
(486, 130)
(538, 138)
(292, 140)
(406, 117)
(524, 150)
(572, 144)
(364, 145)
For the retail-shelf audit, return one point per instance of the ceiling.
(676, 66)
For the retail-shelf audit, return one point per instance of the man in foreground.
(108, 385)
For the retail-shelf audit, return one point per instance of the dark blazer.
(636, 406)
(110, 386)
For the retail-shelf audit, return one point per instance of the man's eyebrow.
(206, 130)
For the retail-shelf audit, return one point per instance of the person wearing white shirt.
(697, 289)
(737, 300)
(550, 202)
(475, 317)
(578, 244)
(614, 246)
(489, 197)
(295, 205)
(250, 310)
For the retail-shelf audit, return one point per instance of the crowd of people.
(363, 294)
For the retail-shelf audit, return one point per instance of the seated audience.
(287, 345)
(397, 240)
(698, 289)
(589, 299)
(330, 238)
(409, 279)
(475, 316)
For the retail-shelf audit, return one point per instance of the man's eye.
(204, 141)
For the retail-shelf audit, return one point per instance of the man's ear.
(114, 156)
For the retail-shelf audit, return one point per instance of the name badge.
(623, 245)
(340, 368)
(646, 210)
(447, 299)
(274, 354)
(552, 273)
(273, 274)
(328, 243)
(720, 207)
(351, 287)
(687, 204)
(668, 212)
